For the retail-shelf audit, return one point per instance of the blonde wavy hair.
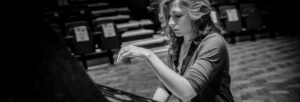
(202, 24)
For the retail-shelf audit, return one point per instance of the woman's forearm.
(177, 84)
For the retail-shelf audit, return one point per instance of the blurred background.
(262, 35)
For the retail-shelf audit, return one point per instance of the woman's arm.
(160, 95)
(176, 83)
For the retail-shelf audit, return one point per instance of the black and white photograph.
(151, 51)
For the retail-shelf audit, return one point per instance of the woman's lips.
(176, 31)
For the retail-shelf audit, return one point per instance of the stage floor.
(267, 70)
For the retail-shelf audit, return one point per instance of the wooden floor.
(267, 70)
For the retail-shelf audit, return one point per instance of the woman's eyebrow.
(175, 12)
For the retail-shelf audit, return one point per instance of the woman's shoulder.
(213, 45)
(214, 39)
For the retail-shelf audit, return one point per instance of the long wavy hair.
(202, 24)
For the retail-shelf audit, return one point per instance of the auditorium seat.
(268, 18)
(117, 18)
(77, 13)
(123, 11)
(215, 16)
(98, 6)
(147, 23)
(104, 12)
(137, 34)
(55, 16)
(80, 34)
(128, 26)
(107, 37)
(141, 33)
(131, 25)
(232, 19)
(252, 15)
(145, 42)
(52, 16)
(110, 12)
(252, 19)
(108, 33)
(54, 19)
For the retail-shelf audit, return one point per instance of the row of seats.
(96, 34)
(90, 35)
(64, 14)
(244, 19)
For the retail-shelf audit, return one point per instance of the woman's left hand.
(131, 51)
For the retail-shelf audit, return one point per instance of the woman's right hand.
(131, 51)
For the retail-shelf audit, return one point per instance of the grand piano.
(115, 95)
(45, 71)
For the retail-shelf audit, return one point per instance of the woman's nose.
(171, 22)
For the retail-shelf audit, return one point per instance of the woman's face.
(179, 20)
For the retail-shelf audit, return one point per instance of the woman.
(199, 62)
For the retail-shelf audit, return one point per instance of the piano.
(45, 71)
(115, 95)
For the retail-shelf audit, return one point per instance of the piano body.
(45, 71)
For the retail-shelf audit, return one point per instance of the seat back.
(108, 33)
(252, 15)
(81, 38)
(78, 13)
(214, 16)
(232, 17)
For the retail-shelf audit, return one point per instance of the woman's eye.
(178, 16)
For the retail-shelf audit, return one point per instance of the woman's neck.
(187, 39)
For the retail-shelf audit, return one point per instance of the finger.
(122, 50)
(120, 58)
(122, 53)
(119, 54)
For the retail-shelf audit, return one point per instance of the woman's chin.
(179, 36)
